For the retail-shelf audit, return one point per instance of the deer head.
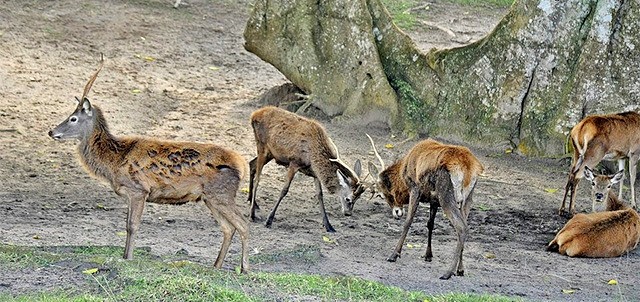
(601, 185)
(80, 123)
(384, 181)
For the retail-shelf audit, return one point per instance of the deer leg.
(323, 212)
(414, 196)
(633, 162)
(230, 220)
(134, 216)
(291, 172)
(433, 210)
(621, 183)
(261, 160)
(569, 187)
(456, 218)
(252, 174)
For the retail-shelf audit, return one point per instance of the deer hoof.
(393, 257)
(446, 276)
(460, 273)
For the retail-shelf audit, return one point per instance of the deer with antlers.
(166, 172)
(440, 174)
(611, 233)
(302, 145)
(603, 137)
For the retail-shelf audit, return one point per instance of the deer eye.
(73, 119)
(609, 187)
(593, 183)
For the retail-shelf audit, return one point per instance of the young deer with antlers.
(603, 137)
(601, 234)
(147, 170)
(442, 175)
(301, 145)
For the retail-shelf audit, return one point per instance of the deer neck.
(613, 203)
(100, 152)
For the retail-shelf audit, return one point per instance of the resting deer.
(603, 137)
(301, 145)
(601, 234)
(442, 175)
(147, 170)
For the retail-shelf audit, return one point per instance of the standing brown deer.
(442, 175)
(302, 145)
(601, 234)
(603, 137)
(147, 170)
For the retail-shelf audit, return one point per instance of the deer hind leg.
(291, 172)
(414, 198)
(255, 171)
(621, 163)
(445, 192)
(230, 220)
(134, 216)
(633, 162)
(325, 220)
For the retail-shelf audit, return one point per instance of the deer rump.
(598, 235)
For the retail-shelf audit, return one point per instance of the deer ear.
(86, 107)
(373, 170)
(357, 167)
(617, 177)
(588, 174)
(342, 179)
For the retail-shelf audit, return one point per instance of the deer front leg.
(433, 210)
(414, 195)
(323, 212)
(134, 216)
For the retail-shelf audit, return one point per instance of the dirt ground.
(184, 74)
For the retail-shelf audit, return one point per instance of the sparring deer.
(147, 170)
(603, 137)
(601, 234)
(302, 145)
(442, 175)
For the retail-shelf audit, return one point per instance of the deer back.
(616, 133)
(601, 234)
(430, 155)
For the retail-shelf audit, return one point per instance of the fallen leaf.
(90, 271)
(550, 190)
(149, 59)
(508, 151)
(613, 282)
(100, 206)
(245, 190)
(138, 56)
(135, 91)
(327, 239)
(37, 237)
(489, 255)
(568, 291)
(214, 67)
(121, 233)
(143, 38)
(389, 146)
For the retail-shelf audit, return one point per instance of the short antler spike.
(87, 87)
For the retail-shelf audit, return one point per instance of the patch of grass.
(400, 12)
(148, 279)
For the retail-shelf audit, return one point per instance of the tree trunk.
(545, 66)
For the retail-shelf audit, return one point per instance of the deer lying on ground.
(602, 234)
(603, 137)
(147, 170)
(442, 175)
(301, 145)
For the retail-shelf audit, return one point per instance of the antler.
(375, 151)
(87, 87)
